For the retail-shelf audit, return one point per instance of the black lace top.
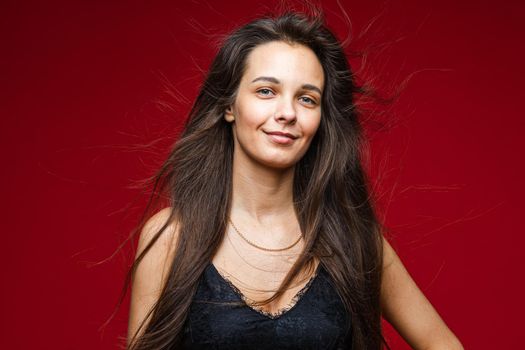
(221, 317)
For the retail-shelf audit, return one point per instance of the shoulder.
(166, 240)
(156, 249)
(158, 239)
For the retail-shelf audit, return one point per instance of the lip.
(281, 138)
(280, 133)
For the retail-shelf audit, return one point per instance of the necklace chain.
(258, 246)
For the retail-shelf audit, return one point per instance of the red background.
(79, 84)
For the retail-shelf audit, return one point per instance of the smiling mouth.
(280, 133)
(281, 138)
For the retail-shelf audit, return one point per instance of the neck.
(262, 195)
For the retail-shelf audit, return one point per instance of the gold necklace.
(258, 246)
(273, 271)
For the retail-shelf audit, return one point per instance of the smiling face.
(279, 93)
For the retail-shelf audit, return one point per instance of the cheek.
(248, 122)
(253, 114)
(312, 126)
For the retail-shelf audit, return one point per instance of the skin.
(263, 170)
(262, 207)
(280, 90)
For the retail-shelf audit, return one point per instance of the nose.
(285, 112)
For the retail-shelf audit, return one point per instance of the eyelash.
(310, 102)
(259, 91)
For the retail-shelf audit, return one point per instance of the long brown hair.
(331, 192)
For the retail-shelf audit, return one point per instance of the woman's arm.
(151, 273)
(407, 309)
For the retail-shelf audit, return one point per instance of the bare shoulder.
(152, 270)
(167, 239)
(159, 238)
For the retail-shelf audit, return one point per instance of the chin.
(284, 164)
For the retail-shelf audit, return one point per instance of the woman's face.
(280, 92)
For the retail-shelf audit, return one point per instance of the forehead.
(294, 63)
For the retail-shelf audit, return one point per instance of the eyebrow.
(276, 81)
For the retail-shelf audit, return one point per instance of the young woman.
(269, 239)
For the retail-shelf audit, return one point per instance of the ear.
(228, 115)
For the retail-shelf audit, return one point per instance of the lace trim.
(249, 302)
